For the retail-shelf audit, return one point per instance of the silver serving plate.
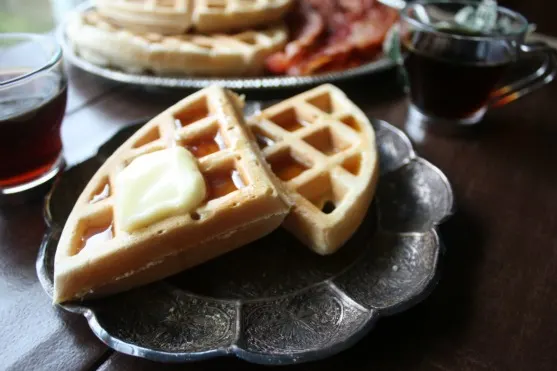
(273, 301)
(191, 82)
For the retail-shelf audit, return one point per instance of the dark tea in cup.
(33, 94)
(444, 84)
(30, 119)
(455, 55)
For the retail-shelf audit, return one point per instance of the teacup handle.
(543, 75)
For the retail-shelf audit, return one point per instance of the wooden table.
(494, 308)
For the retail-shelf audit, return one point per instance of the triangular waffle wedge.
(172, 17)
(322, 148)
(242, 203)
(101, 42)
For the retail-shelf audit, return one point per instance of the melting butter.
(157, 185)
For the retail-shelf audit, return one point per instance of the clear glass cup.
(454, 74)
(33, 94)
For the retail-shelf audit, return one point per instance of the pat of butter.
(157, 185)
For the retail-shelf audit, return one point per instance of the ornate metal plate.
(273, 301)
(268, 82)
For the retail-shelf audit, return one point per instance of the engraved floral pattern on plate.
(273, 301)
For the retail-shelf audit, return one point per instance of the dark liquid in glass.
(444, 84)
(30, 119)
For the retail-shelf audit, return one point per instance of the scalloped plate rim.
(374, 313)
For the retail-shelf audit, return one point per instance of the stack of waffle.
(308, 163)
(181, 37)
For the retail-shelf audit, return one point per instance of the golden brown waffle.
(242, 203)
(322, 148)
(243, 54)
(171, 17)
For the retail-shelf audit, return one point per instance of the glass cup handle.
(543, 75)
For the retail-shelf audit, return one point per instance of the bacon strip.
(309, 27)
(333, 35)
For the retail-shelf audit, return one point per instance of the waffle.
(172, 17)
(322, 148)
(103, 43)
(243, 203)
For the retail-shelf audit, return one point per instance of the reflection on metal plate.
(291, 305)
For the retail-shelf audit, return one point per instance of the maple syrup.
(323, 102)
(286, 168)
(289, 120)
(30, 119)
(325, 142)
(150, 137)
(352, 164)
(198, 112)
(206, 145)
(101, 195)
(96, 235)
(221, 183)
(295, 124)
(350, 121)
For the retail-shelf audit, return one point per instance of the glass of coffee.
(32, 105)
(455, 55)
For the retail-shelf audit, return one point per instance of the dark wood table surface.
(493, 309)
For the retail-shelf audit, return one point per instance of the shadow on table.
(411, 339)
(527, 144)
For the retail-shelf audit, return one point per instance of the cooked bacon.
(356, 6)
(351, 32)
(310, 26)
